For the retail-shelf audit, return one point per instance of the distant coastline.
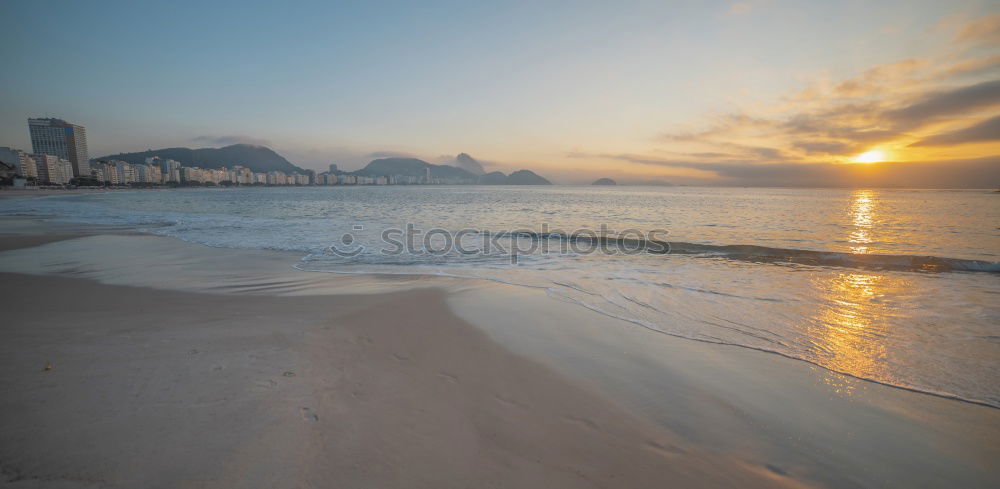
(249, 165)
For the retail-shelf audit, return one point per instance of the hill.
(257, 158)
(493, 178)
(469, 164)
(520, 177)
(604, 181)
(526, 177)
(412, 167)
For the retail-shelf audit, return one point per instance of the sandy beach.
(202, 367)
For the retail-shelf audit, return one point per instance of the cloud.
(876, 78)
(987, 130)
(981, 31)
(390, 154)
(733, 169)
(848, 124)
(889, 30)
(712, 155)
(825, 147)
(766, 153)
(740, 8)
(723, 125)
(964, 173)
(977, 66)
(832, 127)
(949, 102)
(229, 140)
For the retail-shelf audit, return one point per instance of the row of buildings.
(38, 167)
(157, 170)
(53, 170)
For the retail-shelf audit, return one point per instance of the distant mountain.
(469, 164)
(520, 177)
(526, 177)
(604, 181)
(493, 178)
(413, 167)
(257, 158)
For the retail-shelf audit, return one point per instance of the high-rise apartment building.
(53, 169)
(59, 138)
(169, 169)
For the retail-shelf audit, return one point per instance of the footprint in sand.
(309, 415)
(582, 421)
(664, 448)
(449, 377)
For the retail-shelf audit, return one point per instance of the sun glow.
(869, 157)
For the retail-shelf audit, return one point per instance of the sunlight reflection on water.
(862, 215)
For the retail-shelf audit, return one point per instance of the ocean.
(899, 287)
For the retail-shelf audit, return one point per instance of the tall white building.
(169, 169)
(106, 172)
(147, 173)
(52, 169)
(24, 165)
(59, 138)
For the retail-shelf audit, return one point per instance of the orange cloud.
(876, 79)
(741, 8)
(981, 31)
(977, 66)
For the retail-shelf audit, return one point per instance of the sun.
(869, 157)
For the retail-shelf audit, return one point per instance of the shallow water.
(895, 286)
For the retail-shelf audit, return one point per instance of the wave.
(906, 263)
(762, 254)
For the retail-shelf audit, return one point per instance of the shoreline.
(44, 192)
(709, 399)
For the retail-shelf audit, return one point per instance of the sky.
(690, 92)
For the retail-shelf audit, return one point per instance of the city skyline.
(59, 158)
(678, 91)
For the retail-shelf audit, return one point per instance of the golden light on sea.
(853, 318)
(869, 157)
(852, 323)
(862, 216)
